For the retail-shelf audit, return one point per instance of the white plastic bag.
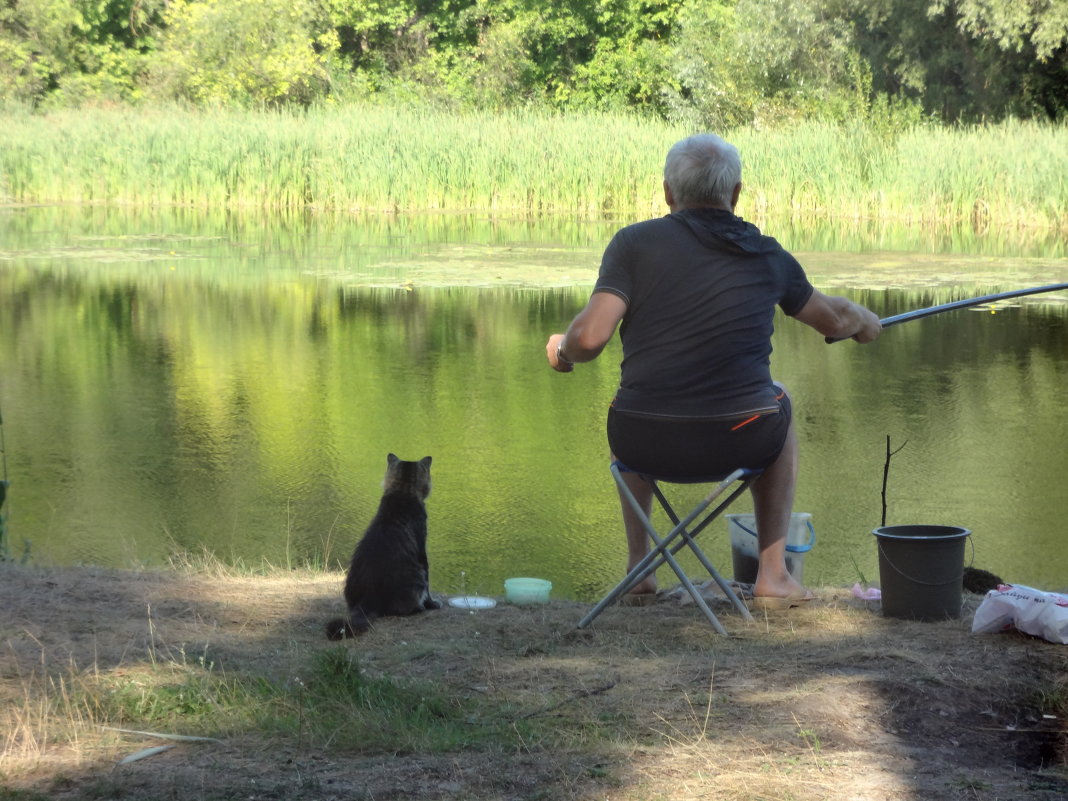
(1043, 614)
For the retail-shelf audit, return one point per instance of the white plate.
(472, 602)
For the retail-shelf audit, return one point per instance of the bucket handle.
(805, 548)
(902, 573)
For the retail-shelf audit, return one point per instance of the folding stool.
(665, 547)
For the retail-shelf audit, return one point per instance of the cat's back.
(401, 516)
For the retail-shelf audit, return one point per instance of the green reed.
(404, 159)
(1010, 174)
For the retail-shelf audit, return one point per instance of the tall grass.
(400, 159)
(355, 158)
(1010, 174)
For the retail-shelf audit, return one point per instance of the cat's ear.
(425, 462)
(391, 459)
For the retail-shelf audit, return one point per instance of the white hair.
(702, 170)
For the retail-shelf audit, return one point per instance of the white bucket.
(745, 553)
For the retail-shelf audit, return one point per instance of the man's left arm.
(840, 318)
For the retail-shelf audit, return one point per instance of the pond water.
(182, 383)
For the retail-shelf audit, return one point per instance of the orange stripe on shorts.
(745, 422)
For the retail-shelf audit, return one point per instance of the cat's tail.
(357, 624)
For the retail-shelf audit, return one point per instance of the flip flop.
(637, 599)
(771, 603)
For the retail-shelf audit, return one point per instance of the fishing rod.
(916, 314)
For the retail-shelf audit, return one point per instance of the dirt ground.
(832, 702)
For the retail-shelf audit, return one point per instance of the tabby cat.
(389, 573)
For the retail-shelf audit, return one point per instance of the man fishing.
(694, 296)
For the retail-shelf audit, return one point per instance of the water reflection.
(191, 385)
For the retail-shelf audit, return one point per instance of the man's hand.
(588, 333)
(552, 352)
(870, 325)
(839, 318)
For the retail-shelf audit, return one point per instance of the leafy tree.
(1038, 25)
(709, 62)
(1021, 53)
(576, 53)
(259, 52)
(34, 40)
(766, 60)
(73, 51)
(709, 82)
(629, 62)
(758, 61)
(803, 55)
(376, 38)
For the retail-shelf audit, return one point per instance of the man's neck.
(676, 207)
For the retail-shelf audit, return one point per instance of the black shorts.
(690, 448)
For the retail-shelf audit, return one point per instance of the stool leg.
(662, 552)
(687, 584)
(724, 585)
(688, 539)
(640, 570)
(689, 536)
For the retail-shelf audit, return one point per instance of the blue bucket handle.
(790, 548)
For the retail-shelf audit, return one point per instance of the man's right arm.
(588, 333)
(839, 318)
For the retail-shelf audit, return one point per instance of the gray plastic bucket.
(921, 571)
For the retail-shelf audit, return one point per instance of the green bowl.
(527, 591)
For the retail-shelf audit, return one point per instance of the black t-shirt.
(701, 286)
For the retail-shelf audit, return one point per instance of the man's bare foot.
(781, 586)
(647, 586)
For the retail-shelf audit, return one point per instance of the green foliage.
(35, 40)
(766, 62)
(629, 64)
(249, 52)
(769, 61)
(716, 63)
(710, 86)
(1012, 56)
(74, 51)
(1041, 25)
(801, 54)
(494, 55)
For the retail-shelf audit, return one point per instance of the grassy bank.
(375, 158)
(213, 685)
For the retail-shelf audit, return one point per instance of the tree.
(765, 60)
(75, 51)
(258, 52)
(495, 53)
(1038, 25)
(709, 84)
(1021, 48)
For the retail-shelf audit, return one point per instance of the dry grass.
(833, 702)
